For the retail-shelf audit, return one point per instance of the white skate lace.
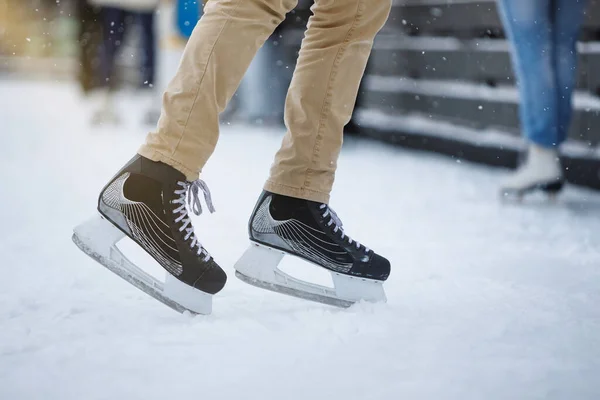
(190, 190)
(335, 220)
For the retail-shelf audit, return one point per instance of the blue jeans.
(543, 34)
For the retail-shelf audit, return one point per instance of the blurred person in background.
(118, 17)
(90, 41)
(543, 35)
(260, 97)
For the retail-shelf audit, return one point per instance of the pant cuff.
(155, 155)
(299, 193)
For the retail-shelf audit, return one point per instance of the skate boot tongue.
(191, 191)
(338, 226)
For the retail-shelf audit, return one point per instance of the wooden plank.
(476, 106)
(442, 58)
(478, 60)
(467, 18)
(581, 168)
(464, 19)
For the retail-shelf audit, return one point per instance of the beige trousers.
(319, 102)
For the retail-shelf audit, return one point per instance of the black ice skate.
(283, 225)
(146, 201)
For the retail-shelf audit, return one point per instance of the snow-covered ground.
(486, 300)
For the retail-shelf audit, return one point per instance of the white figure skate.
(541, 171)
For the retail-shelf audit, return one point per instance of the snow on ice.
(486, 300)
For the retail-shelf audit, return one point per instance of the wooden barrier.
(440, 79)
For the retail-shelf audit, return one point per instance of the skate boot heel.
(187, 296)
(103, 234)
(259, 262)
(98, 237)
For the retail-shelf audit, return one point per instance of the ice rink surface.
(485, 301)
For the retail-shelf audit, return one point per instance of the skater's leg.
(148, 63)
(217, 55)
(255, 88)
(322, 94)
(568, 17)
(89, 39)
(290, 216)
(114, 30)
(529, 27)
(150, 97)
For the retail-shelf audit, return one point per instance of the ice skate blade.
(551, 189)
(258, 267)
(194, 300)
(97, 238)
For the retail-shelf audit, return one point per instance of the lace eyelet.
(189, 192)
